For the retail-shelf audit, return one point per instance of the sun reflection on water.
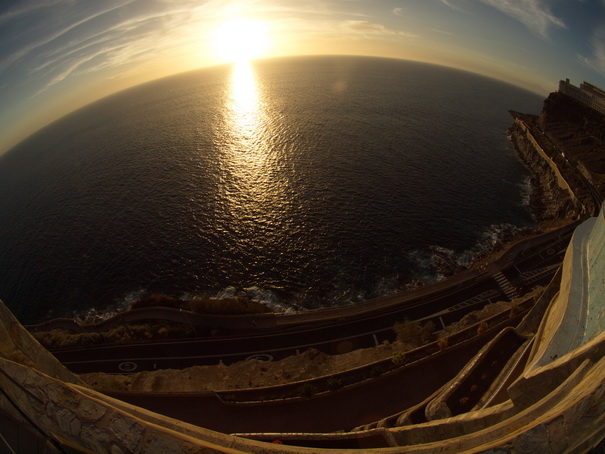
(247, 154)
(255, 193)
(245, 114)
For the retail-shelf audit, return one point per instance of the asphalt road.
(335, 331)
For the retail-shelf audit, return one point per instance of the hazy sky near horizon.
(58, 55)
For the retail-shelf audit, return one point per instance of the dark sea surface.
(305, 182)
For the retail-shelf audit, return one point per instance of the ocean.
(304, 183)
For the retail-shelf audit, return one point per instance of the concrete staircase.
(505, 285)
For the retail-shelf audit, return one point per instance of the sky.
(59, 55)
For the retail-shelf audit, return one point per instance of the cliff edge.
(564, 148)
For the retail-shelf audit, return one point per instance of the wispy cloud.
(534, 14)
(70, 69)
(46, 39)
(371, 29)
(25, 8)
(456, 5)
(314, 9)
(128, 39)
(442, 32)
(329, 18)
(597, 60)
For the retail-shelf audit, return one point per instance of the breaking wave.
(437, 262)
(526, 189)
(96, 315)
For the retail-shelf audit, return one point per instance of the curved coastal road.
(333, 331)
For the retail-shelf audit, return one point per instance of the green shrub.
(90, 339)
(408, 331)
(226, 306)
(156, 300)
(413, 332)
(57, 338)
(398, 359)
(443, 343)
(427, 331)
(482, 328)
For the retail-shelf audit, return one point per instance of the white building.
(587, 94)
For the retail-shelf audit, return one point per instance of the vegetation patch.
(61, 338)
(414, 333)
(225, 306)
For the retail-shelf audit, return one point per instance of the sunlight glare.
(241, 39)
(244, 108)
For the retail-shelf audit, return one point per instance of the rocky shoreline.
(564, 149)
(572, 137)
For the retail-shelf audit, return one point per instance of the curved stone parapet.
(577, 314)
(17, 344)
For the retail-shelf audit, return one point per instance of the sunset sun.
(240, 39)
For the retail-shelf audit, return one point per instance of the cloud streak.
(26, 8)
(57, 47)
(536, 16)
(119, 39)
(454, 6)
(371, 29)
(597, 60)
(46, 40)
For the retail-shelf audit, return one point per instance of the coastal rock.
(564, 148)
(548, 201)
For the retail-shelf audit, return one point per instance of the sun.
(240, 39)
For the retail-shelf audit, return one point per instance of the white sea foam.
(423, 267)
(437, 262)
(227, 292)
(258, 294)
(526, 188)
(268, 298)
(492, 239)
(94, 315)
